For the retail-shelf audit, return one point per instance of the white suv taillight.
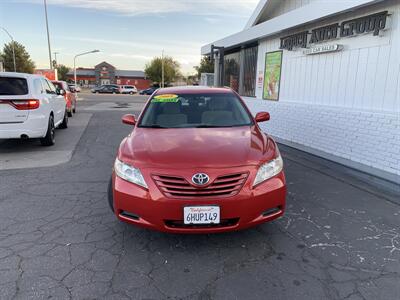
(25, 104)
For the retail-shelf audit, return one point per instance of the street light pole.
(84, 53)
(12, 44)
(48, 34)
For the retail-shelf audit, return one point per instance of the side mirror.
(62, 92)
(262, 116)
(129, 119)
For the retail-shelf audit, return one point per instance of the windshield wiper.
(152, 126)
(211, 126)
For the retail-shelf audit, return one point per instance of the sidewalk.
(384, 189)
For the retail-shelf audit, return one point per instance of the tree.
(153, 70)
(1, 61)
(206, 66)
(23, 60)
(62, 71)
(192, 79)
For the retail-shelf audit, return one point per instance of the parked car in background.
(74, 88)
(30, 107)
(71, 88)
(106, 89)
(69, 96)
(128, 89)
(148, 91)
(196, 161)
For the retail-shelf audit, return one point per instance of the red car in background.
(197, 162)
(68, 95)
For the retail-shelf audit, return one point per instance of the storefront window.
(240, 70)
(232, 70)
(249, 70)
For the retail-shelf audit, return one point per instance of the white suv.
(128, 89)
(30, 107)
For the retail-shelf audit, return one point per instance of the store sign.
(323, 49)
(325, 33)
(371, 23)
(104, 72)
(298, 40)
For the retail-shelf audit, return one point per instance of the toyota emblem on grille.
(200, 179)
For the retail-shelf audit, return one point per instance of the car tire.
(49, 138)
(64, 123)
(110, 196)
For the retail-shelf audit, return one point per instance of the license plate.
(201, 215)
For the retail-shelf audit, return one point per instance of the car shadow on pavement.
(19, 145)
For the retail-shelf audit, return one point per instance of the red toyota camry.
(197, 162)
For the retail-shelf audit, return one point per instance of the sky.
(128, 33)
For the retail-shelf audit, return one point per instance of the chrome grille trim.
(223, 186)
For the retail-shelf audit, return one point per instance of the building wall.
(89, 78)
(140, 83)
(345, 103)
(105, 71)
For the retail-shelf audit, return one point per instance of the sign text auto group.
(371, 23)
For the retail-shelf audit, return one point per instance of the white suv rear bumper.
(32, 127)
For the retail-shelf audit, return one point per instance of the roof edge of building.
(309, 13)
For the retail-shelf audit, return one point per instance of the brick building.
(327, 71)
(105, 73)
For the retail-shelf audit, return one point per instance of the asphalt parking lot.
(339, 238)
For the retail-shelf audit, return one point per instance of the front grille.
(181, 224)
(222, 186)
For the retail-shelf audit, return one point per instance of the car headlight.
(129, 173)
(268, 170)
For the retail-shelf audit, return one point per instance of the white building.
(328, 73)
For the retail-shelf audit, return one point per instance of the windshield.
(13, 86)
(195, 111)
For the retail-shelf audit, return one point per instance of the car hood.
(196, 147)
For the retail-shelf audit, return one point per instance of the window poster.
(272, 75)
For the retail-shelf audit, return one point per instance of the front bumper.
(151, 209)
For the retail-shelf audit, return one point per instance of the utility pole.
(48, 34)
